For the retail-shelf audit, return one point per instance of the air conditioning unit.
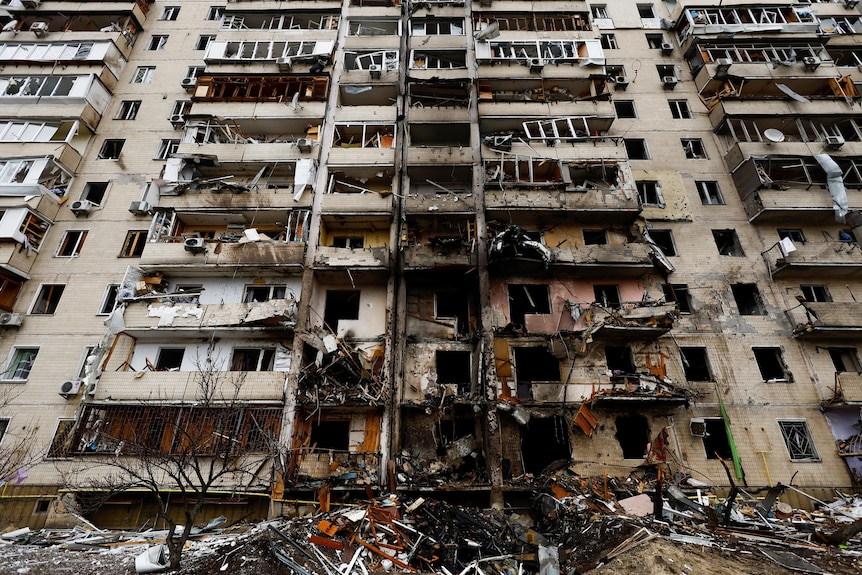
(811, 63)
(621, 82)
(11, 319)
(669, 82)
(697, 427)
(194, 245)
(177, 120)
(375, 71)
(189, 84)
(536, 65)
(140, 208)
(81, 207)
(834, 142)
(850, 3)
(39, 28)
(666, 48)
(70, 388)
(284, 64)
(31, 4)
(304, 144)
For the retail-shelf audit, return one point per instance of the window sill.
(13, 381)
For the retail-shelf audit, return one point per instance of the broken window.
(133, 246)
(109, 300)
(111, 149)
(633, 435)
(9, 287)
(143, 74)
(625, 109)
(330, 435)
(667, 73)
(157, 42)
(770, 361)
(215, 12)
(47, 299)
(599, 11)
(349, 242)
(654, 41)
(4, 425)
(636, 148)
(534, 365)
(528, 299)
(694, 149)
(20, 363)
(664, 240)
(252, 359)
(170, 358)
(71, 244)
(679, 109)
(609, 41)
(95, 192)
(715, 442)
(813, 292)
(709, 193)
(727, 243)
(544, 440)
(166, 149)
(695, 363)
(798, 440)
(748, 299)
(845, 359)
(453, 304)
(128, 110)
(792, 235)
(678, 293)
(595, 237)
(453, 367)
(649, 193)
(607, 295)
(437, 26)
(170, 13)
(619, 359)
(261, 293)
(646, 11)
(340, 304)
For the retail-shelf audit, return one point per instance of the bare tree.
(216, 442)
(19, 450)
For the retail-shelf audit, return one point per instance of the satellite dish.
(773, 135)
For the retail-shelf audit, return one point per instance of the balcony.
(36, 176)
(277, 88)
(285, 54)
(432, 242)
(536, 54)
(433, 192)
(637, 390)
(616, 260)
(251, 139)
(61, 97)
(826, 319)
(850, 387)
(363, 143)
(508, 97)
(360, 190)
(170, 313)
(72, 52)
(165, 386)
(214, 256)
(352, 258)
(810, 260)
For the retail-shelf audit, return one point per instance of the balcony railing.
(812, 319)
(826, 259)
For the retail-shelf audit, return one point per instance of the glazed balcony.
(815, 260)
(826, 319)
(258, 88)
(536, 54)
(71, 49)
(59, 97)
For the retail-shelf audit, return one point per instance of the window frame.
(133, 239)
(609, 41)
(634, 111)
(679, 109)
(111, 149)
(15, 359)
(143, 75)
(272, 289)
(157, 43)
(707, 194)
(48, 296)
(265, 360)
(111, 296)
(203, 41)
(215, 13)
(694, 148)
(786, 426)
(647, 188)
(170, 13)
(167, 147)
(128, 110)
(78, 243)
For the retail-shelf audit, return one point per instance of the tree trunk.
(841, 535)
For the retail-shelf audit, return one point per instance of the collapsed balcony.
(360, 189)
(433, 191)
(779, 188)
(280, 88)
(446, 311)
(834, 259)
(339, 447)
(825, 319)
(847, 390)
(367, 94)
(24, 221)
(509, 96)
(438, 93)
(340, 372)
(767, 86)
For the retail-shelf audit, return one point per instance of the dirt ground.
(249, 554)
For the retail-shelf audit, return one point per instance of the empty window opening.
(595, 237)
(544, 440)
(157, 43)
(792, 235)
(48, 299)
(453, 304)
(134, 244)
(679, 109)
(111, 149)
(334, 435)
(599, 11)
(667, 73)
(619, 359)
(695, 363)
(170, 358)
(451, 429)
(649, 193)
(204, 41)
(351, 242)
(678, 293)
(534, 365)
(748, 299)
(42, 506)
(715, 442)
(625, 109)
(664, 240)
(633, 435)
(128, 110)
(528, 299)
(646, 11)
(798, 440)
(845, 359)
(215, 12)
(609, 41)
(727, 243)
(636, 148)
(654, 41)
(340, 304)
(261, 293)
(109, 300)
(252, 359)
(71, 244)
(95, 192)
(709, 192)
(770, 361)
(812, 292)
(170, 13)
(607, 295)
(453, 367)
(694, 148)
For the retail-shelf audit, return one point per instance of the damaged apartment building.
(429, 245)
